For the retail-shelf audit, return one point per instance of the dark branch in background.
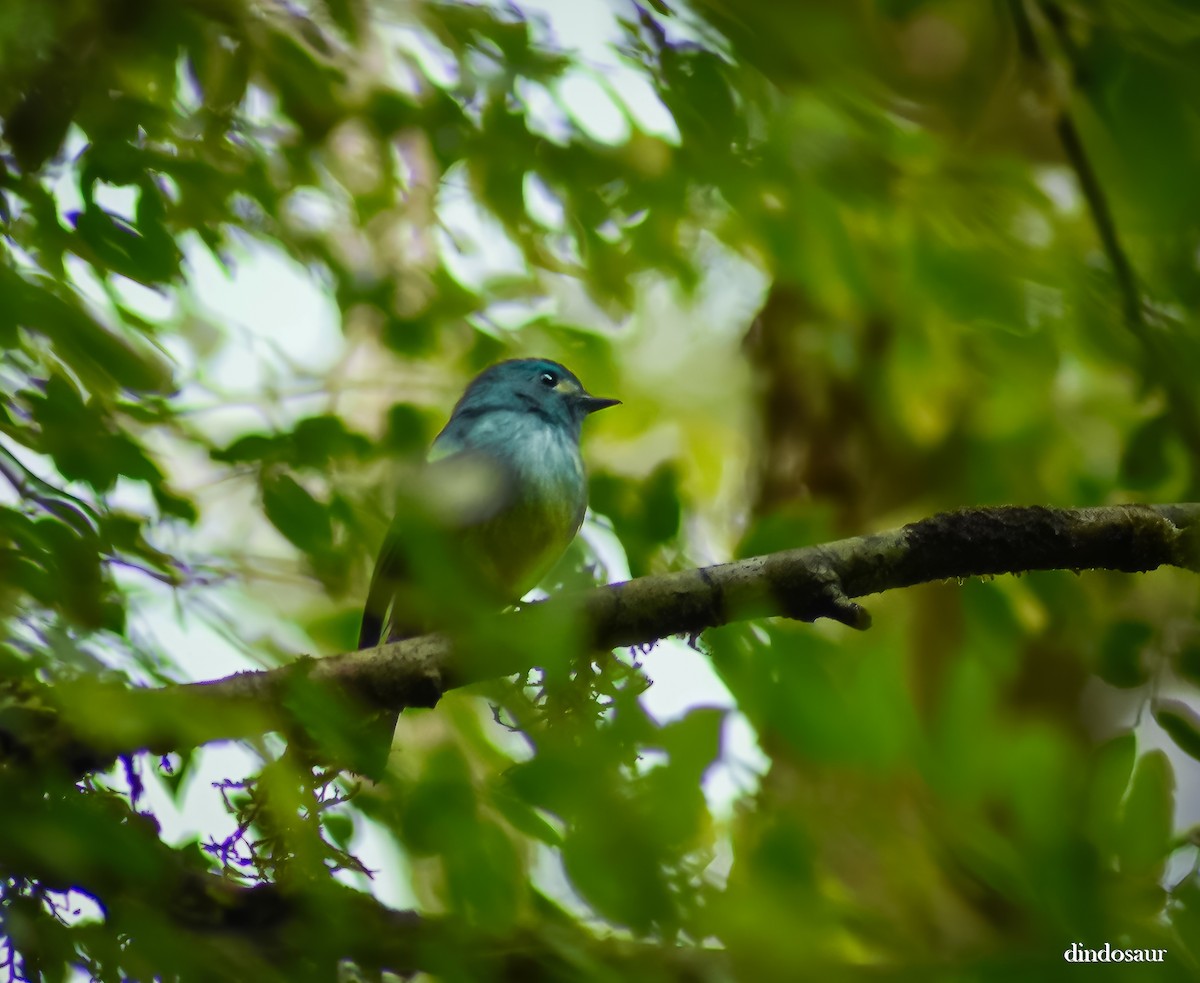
(302, 929)
(1160, 361)
(807, 583)
(1076, 154)
(281, 926)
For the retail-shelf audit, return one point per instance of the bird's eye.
(548, 379)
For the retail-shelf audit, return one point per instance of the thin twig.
(1160, 360)
(1089, 182)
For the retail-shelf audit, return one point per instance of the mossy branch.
(805, 583)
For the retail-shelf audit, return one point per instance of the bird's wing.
(460, 488)
(388, 572)
(390, 565)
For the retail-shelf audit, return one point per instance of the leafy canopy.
(846, 264)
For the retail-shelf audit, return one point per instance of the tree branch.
(806, 583)
(303, 927)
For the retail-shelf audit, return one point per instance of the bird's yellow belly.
(515, 549)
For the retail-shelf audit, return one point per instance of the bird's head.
(534, 385)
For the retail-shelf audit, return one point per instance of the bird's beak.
(592, 403)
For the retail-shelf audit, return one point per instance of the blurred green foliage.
(846, 264)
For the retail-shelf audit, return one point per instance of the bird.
(506, 488)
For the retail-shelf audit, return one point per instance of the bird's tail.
(381, 618)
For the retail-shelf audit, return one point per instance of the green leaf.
(131, 461)
(99, 356)
(1182, 723)
(75, 564)
(1146, 461)
(484, 876)
(71, 434)
(178, 506)
(220, 68)
(339, 828)
(1153, 121)
(349, 15)
(440, 813)
(308, 84)
(406, 432)
(319, 439)
(1109, 771)
(37, 125)
(1187, 662)
(614, 867)
(1120, 662)
(645, 514)
(314, 442)
(114, 245)
(693, 742)
(551, 780)
(294, 512)
(521, 816)
(784, 854)
(254, 447)
(1185, 914)
(1146, 820)
(390, 111)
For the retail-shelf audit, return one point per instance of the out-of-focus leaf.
(1152, 122)
(1146, 820)
(114, 245)
(1185, 913)
(971, 288)
(645, 515)
(315, 442)
(551, 780)
(1181, 722)
(175, 505)
(522, 817)
(294, 512)
(319, 439)
(1146, 461)
(1120, 661)
(81, 591)
(671, 794)
(693, 742)
(73, 435)
(36, 127)
(390, 111)
(441, 810)
(866, 288)
(220, 69)
(406, 430)
(308, 85)
(251, 448)
(699, 94)
(901, 9)
(339, 828)
(613, 866)
(1187, 662)
(484, 876)
(784, 855)
(1108, 777)
(84, 344)
(349, 15)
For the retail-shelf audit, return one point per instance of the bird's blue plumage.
(515, 489)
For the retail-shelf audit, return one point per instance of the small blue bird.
(510, 492)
